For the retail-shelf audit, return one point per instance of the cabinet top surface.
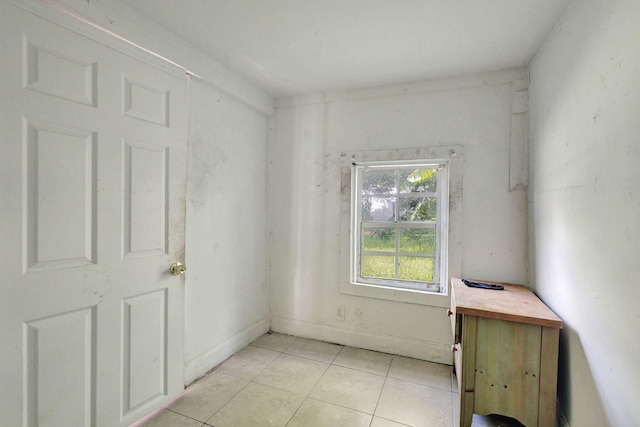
(515, 303)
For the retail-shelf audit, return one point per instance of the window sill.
(395, 294)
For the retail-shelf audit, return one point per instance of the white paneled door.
(92, 205)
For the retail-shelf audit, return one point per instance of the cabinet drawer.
(456, 327)
(452, 317)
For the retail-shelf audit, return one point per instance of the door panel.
(144, 349)
(145, 199)
(56, 378)
(59, 157)
(145, 102)
(59, 74)
(93, 172)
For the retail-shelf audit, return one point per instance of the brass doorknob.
(177, 269)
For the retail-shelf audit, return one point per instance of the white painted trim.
(520, 74)
(519, 141)
(446, 83)
(300, 100)
(418, 349)
(214, 355)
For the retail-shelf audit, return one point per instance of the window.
(442, 165)
(399, 224)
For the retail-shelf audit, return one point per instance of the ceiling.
(295, 47)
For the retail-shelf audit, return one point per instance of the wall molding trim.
(519, 144)
(424, 350)
(213, 356)
(429, 85)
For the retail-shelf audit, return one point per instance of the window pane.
(418, 209)
(418, 180)
(416, 268)
(378, 208)
(379, 239)
(378, 182)
(378, 266)
(417, 240)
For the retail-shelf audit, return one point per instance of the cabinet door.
(507, 369)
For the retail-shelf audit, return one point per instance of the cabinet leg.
(466, 409)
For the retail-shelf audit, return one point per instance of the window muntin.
(398, 214)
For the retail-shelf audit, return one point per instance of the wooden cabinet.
(505, 353)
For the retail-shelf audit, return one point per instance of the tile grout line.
(289, 391)
(372, 414)
(245, 386)
(227, 401)
(295, 412)
(358, 370)
(181, 415)
(306, 397)
(417, 383)
(382, 390)
(338, 405)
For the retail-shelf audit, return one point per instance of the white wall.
(304, 203)
(585, 205)
(227, 299)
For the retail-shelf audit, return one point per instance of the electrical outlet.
(340, 313)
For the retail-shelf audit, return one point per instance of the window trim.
(454, 155)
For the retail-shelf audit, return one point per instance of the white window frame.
(451, 258)
(437, 286)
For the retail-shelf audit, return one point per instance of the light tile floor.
(281, 380)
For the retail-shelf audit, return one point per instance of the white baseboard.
(213, 356)
(418, 349)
